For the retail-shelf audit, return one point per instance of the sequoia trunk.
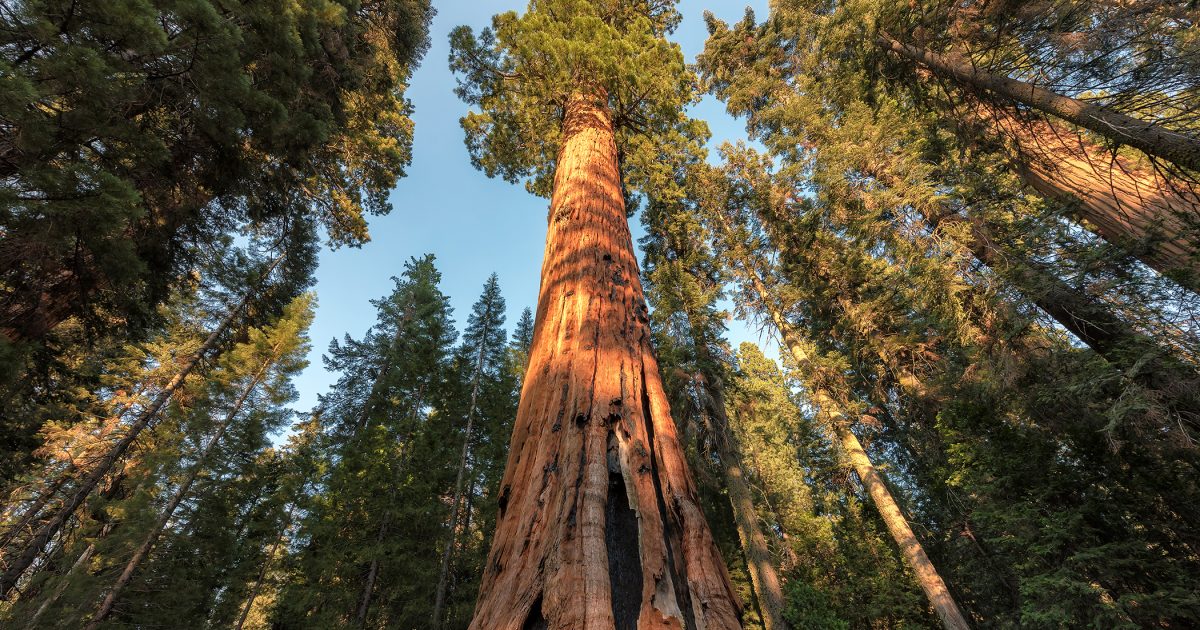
(1150, 138)
(1154, 216)
(599, 524)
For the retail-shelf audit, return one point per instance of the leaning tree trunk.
(893, 518)
(768, 588)
(1156, 217)
(1150, 138)
(599, 523)
(143, 550)
(927, 576)
(33, 547)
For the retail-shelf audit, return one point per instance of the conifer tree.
(364, 540)
(684, 283)
(792, 60)
(841, 569)
(183, 362)
(485, 350)
(599, 521)
(127, 148)
(834, 400)
(271, 356)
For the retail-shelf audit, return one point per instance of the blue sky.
(474, 225)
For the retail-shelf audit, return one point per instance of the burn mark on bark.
(678, 576)
(547, 470)
(621, 541)
(502, 502)
(572, 514)
(535, 620)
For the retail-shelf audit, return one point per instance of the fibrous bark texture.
(1158, 218)
(1149, 137)
(596, 475)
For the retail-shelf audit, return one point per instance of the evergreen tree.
(363, 550)
(483, 360)
(579, 99)
(191, 479)
(136, 135)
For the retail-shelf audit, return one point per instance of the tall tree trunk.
(262, 572)
(927, 576)
(1174, 382)
(768, 588)
(65, 581)
(443, 573)
(910, 547)
(152, 536)
(13, 573)
(599, 522)
(1152, 215)
(1148, 137)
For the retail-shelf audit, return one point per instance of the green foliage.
(202, 562)
(138, 136)
(521, 71)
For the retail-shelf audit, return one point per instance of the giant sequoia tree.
(599, 523)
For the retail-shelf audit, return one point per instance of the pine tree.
(272, 356)
(485, 350)
(127, 149)
(97, 471)
(575, 97)
(363, 544)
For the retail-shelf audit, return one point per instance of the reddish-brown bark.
(599, 523)
(1125, 204)
(1151, 138)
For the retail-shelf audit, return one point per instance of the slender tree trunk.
(262, 572)
(152, 536)
(914, 554)
(69, 472)
(768, 588)
(65, 581)
(35, 509)
(599, 524)
(61, 588)
(927, 577)
(440, 598)
(364, 599)
(13, 573)
(1150, 138)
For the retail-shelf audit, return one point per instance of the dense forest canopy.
(969, 231)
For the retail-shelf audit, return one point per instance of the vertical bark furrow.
(552, 549)
(624, 567)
